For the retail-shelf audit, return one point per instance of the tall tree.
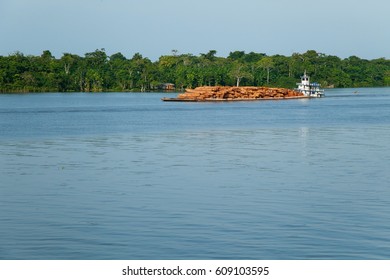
(267, 63)
(239, 72)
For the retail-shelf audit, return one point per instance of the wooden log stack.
(219, 93)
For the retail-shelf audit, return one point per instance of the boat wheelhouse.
(309, 89)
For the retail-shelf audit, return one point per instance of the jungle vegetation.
(98, 72)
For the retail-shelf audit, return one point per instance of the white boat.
(309, 89)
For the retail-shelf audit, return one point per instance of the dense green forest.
(96, 71)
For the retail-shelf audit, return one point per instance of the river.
(126, 176)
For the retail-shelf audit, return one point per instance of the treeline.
(96, 71)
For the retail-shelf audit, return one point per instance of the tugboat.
(309, 89)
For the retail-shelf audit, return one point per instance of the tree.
(210, 55)
(387, 78)
(267, 63)
(93, 81)
(67, 60)
(236, 55)
(239, 72)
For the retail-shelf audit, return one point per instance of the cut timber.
(222, 93)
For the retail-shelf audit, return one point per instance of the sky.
(156, 27)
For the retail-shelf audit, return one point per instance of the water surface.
(126, 176)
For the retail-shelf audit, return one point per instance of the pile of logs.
(237, 93)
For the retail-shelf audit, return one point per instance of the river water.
(126, 176)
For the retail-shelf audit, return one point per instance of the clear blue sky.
(155, 27)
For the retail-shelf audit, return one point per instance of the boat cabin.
(309, 89)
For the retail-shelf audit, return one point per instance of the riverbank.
(226, 93)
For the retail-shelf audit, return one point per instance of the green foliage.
(96, 71)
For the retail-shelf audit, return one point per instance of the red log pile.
(237, 93)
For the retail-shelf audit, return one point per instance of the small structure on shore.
(166, 86)
(226, 93)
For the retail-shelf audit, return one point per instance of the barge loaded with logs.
(225, 93)
(222, 93)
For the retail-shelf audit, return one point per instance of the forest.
(98, 72)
